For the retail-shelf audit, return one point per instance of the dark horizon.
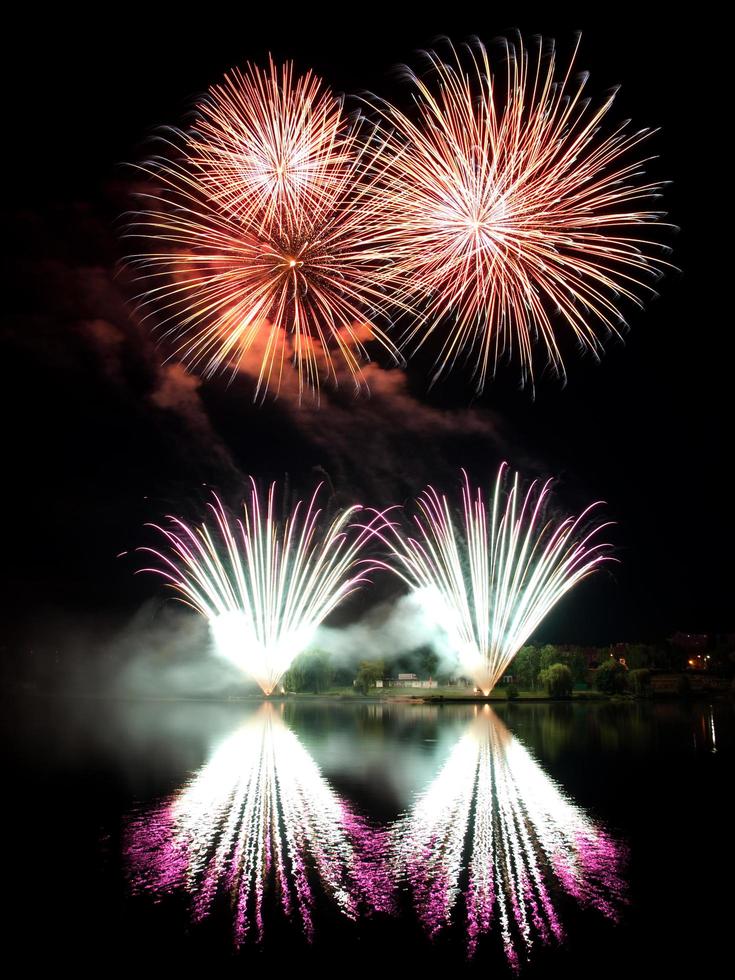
(102, 438)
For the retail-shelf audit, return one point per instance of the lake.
(337, 835)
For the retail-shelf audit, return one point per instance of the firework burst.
(513, 212)
(490, 577)
(264, 586)
(270, 147)
(262, 235)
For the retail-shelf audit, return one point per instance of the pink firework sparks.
(494, 814)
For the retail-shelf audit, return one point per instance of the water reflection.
(258, 819)
(705, 734)
(494, 836)
(76, 767)
(490, 845)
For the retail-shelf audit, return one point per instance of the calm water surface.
(589, 838)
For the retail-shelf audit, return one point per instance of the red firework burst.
(270, 147)
(512, 211)
(263, 235)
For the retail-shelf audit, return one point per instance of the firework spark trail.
(262, 233)
(512, 210)
(259, 814)
(263, 586)
(528, 844)
(490, 578)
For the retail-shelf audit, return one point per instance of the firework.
(264, 586)
(493, 818)
(270, 147)
(513, 211)
(261, 236)
(259, 812)
(489, 577)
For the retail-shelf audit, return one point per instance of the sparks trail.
(260, 813)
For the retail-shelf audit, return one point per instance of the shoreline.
(525, 697)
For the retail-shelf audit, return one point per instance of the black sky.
(99, 437)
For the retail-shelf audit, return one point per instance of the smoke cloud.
(386, 632)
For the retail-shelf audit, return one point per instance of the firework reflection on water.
(257, 818)
(495, 836)
(492, 847)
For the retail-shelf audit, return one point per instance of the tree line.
(554, 668)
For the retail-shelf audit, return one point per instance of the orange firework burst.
(263, 234)
(512, 210)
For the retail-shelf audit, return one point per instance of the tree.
(571, 657)
(577, 663)
(548, 656)
(525, 667)
(368, 673)
(294, 678)
(421, 661)
(428, 663)
(557, 679)
(637, 656)
(311, 671)
(610, 677)
(640, 681)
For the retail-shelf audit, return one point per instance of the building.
(411, 680)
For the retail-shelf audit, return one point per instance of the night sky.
(101, 436)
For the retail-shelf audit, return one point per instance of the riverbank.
(497, 696)
(395, 695)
